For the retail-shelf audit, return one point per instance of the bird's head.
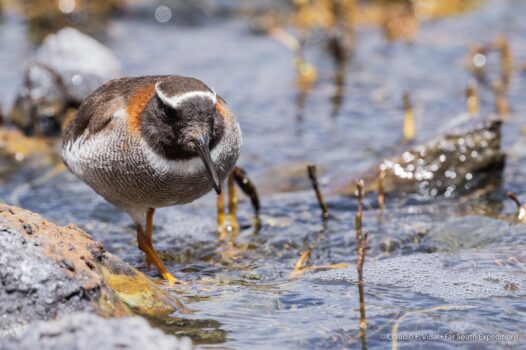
(185, 120)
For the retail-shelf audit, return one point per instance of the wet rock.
(66, 68)
(458, 161)
(83, 331)
(48, 271)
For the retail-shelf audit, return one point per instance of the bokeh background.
(310, 81)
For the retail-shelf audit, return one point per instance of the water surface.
(464, 257)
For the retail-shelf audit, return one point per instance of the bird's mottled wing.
(128, 95)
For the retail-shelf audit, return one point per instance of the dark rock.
(458, 162)
(33, 286)
(83, 331)
(42, 278)
(454, 162)
(67, 67)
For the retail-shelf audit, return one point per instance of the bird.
(149, 142)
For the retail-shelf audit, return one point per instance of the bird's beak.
(204, 153)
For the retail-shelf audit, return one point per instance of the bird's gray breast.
(128, 173)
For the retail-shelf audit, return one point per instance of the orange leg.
(148, 234)
(232, 204)
(145, 244)
(220, 211)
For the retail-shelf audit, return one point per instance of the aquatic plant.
(312, 173)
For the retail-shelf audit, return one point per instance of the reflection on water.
(240, 290)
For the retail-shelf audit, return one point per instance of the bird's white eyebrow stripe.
(175, 101)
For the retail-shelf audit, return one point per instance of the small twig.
(302, 261)
(409, 118)
(358, 221)
(285, 38)
(521, 214)
(316, 268)
(472, 99)
(307, 73)
(506, 60)
(361, 285)
(311, 171)
(501, 102)
(361, 246)
(381, 191)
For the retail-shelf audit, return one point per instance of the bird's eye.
(173, 113)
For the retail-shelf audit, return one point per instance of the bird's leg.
(232, 204)
(149, 231)
(248, 188)
(220, 211)
(222, 228)
(145, 244)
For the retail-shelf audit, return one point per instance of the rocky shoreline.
(49, 272)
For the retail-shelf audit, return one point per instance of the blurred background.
(322, 79)
(342, 84)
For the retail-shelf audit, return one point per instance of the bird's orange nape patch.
(136, 105)
(221, 109)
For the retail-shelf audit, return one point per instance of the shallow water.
(467, 255)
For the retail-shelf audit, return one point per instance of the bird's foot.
(229, 228)
(170, 278)
(234, 225)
